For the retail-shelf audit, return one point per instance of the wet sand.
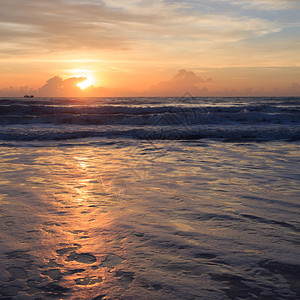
(199, 221)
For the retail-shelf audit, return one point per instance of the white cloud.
(266, 4)
(59, 25)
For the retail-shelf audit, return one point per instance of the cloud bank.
(184, 81)
(52, 26)
(181, 83)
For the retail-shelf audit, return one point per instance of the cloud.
(181, 83)
(58, 87)
(266, 4)
(184, 81)
(293, 90)
(54, 87)
(52, 26)
(17, 92)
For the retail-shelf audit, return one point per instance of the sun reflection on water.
(83, 202)
(72, 209)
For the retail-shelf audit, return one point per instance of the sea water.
(149, 198)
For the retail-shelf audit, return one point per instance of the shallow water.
(127, 219)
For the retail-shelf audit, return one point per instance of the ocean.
(150, 198)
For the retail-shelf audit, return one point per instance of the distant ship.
(28, 96)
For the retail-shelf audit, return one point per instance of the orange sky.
(132, 46)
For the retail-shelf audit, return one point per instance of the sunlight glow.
(86, 83)
(85, 74)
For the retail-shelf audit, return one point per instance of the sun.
(86, 83)
(86, 75)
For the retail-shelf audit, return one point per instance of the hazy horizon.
(182, 82)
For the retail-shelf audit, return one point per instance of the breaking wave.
(234, 119)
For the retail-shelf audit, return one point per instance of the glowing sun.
(86, 75)
(86, 83)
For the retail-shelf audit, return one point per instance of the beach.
(174, 198)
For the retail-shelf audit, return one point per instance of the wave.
(236, 119)
(156, 115)
(228, 133)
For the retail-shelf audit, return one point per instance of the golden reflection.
(2, 201)
(80, 187)
(69, 199)
(81, 161)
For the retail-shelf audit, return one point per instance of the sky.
(146, 48)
